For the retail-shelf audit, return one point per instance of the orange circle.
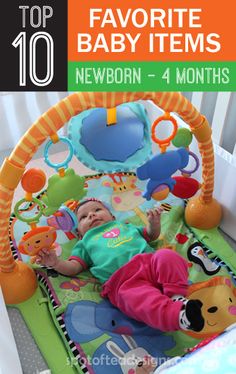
(33, 180)
(166, 141)
(161, 195)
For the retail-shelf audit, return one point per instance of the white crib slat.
(197, 99)
(43, 101)
(220, 115)
(234, 151)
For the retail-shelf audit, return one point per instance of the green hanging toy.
(64, 186)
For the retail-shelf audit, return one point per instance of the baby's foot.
(179, 298)
(190, 317)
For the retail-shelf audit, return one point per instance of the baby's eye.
(82, 217)
(97, 209)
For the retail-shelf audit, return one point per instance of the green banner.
(152, 76)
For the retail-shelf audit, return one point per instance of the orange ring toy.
(164, 143)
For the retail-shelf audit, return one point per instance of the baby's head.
(92, 213)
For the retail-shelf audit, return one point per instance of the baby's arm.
(49, 258)
(154, 223)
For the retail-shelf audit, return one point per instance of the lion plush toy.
(218, 297)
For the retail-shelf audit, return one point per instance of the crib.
(154, 103)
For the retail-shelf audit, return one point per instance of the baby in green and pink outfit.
(146, 284)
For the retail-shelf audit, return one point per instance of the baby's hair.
(89, 200)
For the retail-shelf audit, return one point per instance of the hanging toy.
(111, 139)
(183, 138)
(33, 180)
(64, 218)
(37, 238)
(66, 184)
(118, 139)
(164, 143)
(159, 169)
(185, 186)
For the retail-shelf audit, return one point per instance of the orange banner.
(170, 30)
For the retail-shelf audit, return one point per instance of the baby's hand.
(47, 257)
(154, 223)
(154, 215)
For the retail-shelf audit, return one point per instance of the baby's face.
(92, 214)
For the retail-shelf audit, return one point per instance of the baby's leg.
(132, 290)
(142, 289)
(147, 304)
(169, 272)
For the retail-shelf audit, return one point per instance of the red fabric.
(75, 258)
(145, 235)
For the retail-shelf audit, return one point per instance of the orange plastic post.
(203, 215)
(111, 116)
(10, 174)
(55, 138)
(61, 172)
(18, 285)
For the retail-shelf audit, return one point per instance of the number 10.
(20, 42)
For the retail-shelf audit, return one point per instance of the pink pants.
(142, 288)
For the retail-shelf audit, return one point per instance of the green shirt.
(104, 249)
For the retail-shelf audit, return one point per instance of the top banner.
(168, 45)
(170, 30)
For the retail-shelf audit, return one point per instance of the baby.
(147, 285)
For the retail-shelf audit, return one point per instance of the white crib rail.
(220, 110)
(220, 117)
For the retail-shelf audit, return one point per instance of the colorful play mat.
(95, 334)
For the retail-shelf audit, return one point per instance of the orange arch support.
(201, 212)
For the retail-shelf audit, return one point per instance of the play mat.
(76, 330)
(93, 331)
